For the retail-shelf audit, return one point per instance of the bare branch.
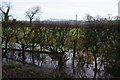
(32, 12)
(5, 8)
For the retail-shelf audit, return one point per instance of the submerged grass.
(11, 70)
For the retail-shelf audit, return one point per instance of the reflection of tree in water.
(61, 58)
(80, 71)
(84, 57)
(41, 59)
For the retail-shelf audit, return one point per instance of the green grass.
(11, 70)
(10, 65)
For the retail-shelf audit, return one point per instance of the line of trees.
(101, 40)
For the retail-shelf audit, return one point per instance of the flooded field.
(50, 61)
(89, 50)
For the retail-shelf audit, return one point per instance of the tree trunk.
(41, 48)
(60, 62)
(23, 53)
(6, 17)
(6, 43)
(5, 53)
(33, 59)
(95, 72)
(32, 52)
(74, 50)
(30, 22)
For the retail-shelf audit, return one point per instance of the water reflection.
(83, 67)
(60, 62)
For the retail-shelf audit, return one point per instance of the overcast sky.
(64, 9)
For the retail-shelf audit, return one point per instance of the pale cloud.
(66, 9)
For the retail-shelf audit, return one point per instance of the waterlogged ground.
(47, 67)
(13, 69)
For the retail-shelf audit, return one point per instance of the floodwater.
(49, 61)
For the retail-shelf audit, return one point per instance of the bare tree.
(109, 16)
(32, 12)
(5, 9)
(117, 17)
(97, 18)
(88, 17)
